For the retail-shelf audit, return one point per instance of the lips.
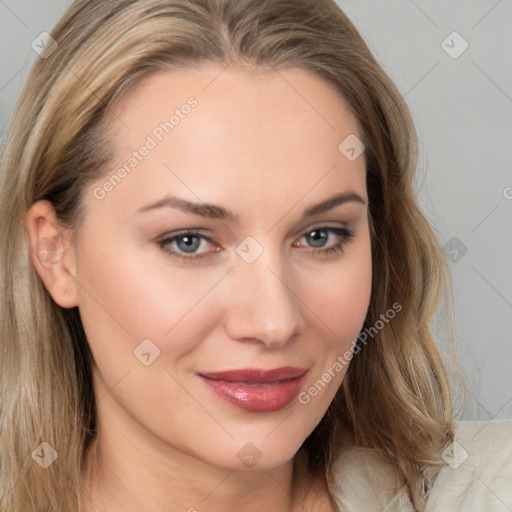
(257, 390)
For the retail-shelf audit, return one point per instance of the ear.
(52, 253)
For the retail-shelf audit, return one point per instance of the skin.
(265, 145)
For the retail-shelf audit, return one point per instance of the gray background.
(462, 108)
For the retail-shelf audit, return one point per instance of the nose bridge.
(263, 306)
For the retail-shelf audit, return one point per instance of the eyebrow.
(218, 212)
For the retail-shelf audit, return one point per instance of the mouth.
(257, 390)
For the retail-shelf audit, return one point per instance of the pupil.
(190, 243)
(318, 238)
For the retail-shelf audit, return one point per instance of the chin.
(260, 454)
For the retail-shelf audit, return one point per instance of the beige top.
(477, 477)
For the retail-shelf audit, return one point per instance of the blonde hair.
(396, 396)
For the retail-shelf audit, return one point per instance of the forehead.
(229, 95)
(212, 128)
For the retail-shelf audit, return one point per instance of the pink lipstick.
(257, 390)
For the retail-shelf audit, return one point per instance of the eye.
(326, 239)
(188, 245)
(193, 245)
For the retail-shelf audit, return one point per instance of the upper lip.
(257, 375)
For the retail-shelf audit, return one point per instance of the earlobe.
(52, 253)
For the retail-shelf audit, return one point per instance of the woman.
(218, 284)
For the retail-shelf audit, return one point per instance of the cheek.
(339, 302)
(124, 300)
(341, 296)
(128, 296)
(339, 306)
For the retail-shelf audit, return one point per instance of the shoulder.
(365, 483)
(478, 473)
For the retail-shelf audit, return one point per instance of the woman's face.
(275, 274)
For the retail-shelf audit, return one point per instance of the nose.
(263, 305)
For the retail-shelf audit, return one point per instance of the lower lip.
(257, 398)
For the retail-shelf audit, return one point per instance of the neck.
(132, 476)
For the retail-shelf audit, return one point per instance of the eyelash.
(345, 235)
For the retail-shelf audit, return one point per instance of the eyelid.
(165, 240)
(346, 235)
(204, 233)
(186, 231)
